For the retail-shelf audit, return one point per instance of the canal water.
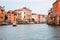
(30, 32)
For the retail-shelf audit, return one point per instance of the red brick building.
(2, 15)
(56, 11)
(38, 18)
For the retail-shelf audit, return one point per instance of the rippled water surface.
(30, 32)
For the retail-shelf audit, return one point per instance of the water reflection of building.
(2, 15)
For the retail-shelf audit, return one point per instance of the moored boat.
(14, 24)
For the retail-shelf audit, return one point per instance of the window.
(2, 10)
(1, 17)
(24, 16)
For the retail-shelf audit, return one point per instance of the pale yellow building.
(26, 14)
(23, 14)
(43, 18)
(35, 18)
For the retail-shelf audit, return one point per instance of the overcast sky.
(37, 6)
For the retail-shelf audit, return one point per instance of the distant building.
(11, 17)
(49, 17)
(35, 18)
(26, 14)
(23, 15)
(2, 15)
(43, 18)
(18, 15)
(38, 18)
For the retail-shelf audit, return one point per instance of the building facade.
(55, 17)
(2, 15)
(34, 18)
(56, 11)
(26, 14)
(49, 17)
(11, 17)
(18, 15)
(43, 18)
(23, 15)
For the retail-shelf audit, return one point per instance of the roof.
(25, 8)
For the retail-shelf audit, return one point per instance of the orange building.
(56, 11)
(54, 14)
(2, 14)
(11, 17)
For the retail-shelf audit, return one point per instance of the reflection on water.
(30, 32)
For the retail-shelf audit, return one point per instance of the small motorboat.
(32, 22)
(14, 24)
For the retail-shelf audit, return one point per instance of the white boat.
(32, 22)
(14, 24)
